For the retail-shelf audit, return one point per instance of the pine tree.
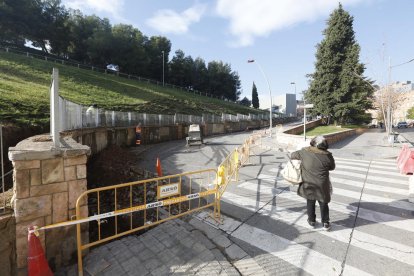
(337, 87)
(255, 97)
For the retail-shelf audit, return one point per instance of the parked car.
(112, 67)
(402, 125)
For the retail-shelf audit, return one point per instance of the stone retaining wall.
(332, 138)
(99, 138)
(299, 129)
(292, 141)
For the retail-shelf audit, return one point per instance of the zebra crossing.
(372, 221)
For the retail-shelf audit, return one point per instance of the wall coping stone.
(295, 140)
(40, 147)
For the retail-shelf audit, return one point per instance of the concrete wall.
(47, 183)
(99, 138)
(332, 138)
(299, 129)
(292, 141)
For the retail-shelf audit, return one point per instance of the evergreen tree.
(337, 87)
(255, 97)
(246, 102)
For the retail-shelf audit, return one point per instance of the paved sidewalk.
(372, 144)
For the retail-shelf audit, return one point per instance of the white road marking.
(291, 252)
(377, 245)
(370, 177)
(370, 215)
(375, 187)
(371, 170)
(354, 161)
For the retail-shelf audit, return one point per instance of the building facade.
(286, 104)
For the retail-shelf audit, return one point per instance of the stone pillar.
(47, 183)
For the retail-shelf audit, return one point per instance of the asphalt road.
(408, 133)
(176, 157)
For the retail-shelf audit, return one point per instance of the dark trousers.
(311, 210)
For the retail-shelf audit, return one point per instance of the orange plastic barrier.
(404, 157)
(407, 162)
(402, 153)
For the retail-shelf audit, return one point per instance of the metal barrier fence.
(122, 209)
(228, 170)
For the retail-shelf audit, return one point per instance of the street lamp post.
(296, 107)
(163, 60)
(295, 85)
(270, 92)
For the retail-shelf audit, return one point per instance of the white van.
(194, 135)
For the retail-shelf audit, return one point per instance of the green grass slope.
(25, 83)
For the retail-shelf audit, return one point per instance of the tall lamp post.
(296, 107)
(295, 85)
(389, 117)
(163, 60)
(270, 92)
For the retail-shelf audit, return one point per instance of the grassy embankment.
(322, 130)
(25, 82)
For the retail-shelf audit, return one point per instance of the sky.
(280, 35)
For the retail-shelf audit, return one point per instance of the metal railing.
(76, 116)
(228, 170)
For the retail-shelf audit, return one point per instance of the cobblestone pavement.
(176, 247)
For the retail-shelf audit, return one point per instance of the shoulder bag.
(292, 172)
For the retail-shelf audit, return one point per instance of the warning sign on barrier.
(168, 190)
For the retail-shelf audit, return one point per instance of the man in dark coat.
(317, 161)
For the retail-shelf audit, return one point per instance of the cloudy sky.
(280, 35)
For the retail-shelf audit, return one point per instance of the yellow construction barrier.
(138, 205)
